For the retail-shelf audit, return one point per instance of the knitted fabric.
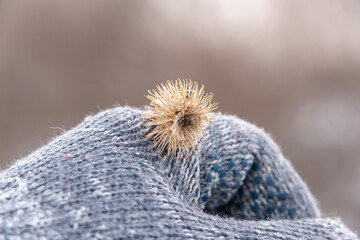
(103, 180)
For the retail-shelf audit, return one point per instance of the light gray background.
(292, 67)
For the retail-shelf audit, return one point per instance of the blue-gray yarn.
(103, 180)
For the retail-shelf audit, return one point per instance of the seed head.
(179, 112)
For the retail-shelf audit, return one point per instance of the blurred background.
(292, 67)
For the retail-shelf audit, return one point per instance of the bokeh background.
(292, 67)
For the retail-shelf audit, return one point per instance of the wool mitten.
(104, 180)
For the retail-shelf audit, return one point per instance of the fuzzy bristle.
(179, 112)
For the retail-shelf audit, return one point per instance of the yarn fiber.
(104, 180)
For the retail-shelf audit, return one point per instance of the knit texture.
(104, 180)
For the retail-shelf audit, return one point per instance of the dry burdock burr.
(180, 112)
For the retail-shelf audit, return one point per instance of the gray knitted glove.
(103, 180)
